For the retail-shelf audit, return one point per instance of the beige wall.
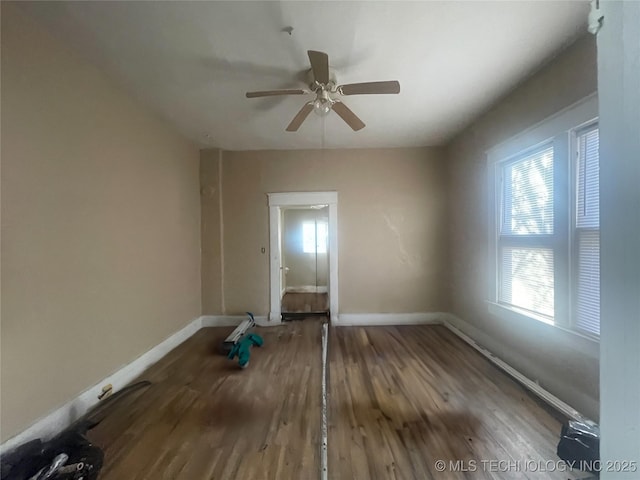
(100, 226)
(391, 225)
(563, 363)
(211, 233)
(303, 269)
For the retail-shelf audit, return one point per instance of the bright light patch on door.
(314, 237)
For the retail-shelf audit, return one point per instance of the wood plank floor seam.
(324, 442)
(361, 402)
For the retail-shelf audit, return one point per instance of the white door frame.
(277, 201)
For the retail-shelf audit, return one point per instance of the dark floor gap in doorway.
(290, 317)
(305, 302)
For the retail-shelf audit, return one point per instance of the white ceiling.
(192, 62)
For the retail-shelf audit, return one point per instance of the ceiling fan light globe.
(321, 107)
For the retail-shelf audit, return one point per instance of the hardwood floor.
(204, 418)
(400, 398)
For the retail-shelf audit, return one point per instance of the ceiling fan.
(322, 83)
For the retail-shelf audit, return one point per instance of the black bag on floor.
(70, 455)
(579, 444)
(82, 459)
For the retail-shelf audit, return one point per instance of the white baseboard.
(68, 413)
(233, 320)
(535, 388)
(222, 320)
(306, 289)
(373, 319)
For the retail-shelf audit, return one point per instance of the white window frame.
(529, 241)
(573, 234)
(558, 130)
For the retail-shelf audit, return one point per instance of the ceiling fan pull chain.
(324, 119)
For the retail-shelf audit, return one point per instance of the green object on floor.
(242, 348)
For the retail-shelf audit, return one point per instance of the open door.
(316, 234)
(305, 261)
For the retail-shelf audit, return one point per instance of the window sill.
(515, 315)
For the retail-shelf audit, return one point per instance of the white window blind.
(528, 195)
(588, 231)
(525, 255)
(588, 181)
(527, 279)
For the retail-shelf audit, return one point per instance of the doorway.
(305, 261)
(303, 254)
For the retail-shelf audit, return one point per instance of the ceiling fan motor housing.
(313, 86)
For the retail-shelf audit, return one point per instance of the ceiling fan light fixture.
(322, 106)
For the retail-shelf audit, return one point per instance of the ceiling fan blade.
(348, 116)
(368, 88)
(300, 117)
(319, 65)
(272, 93)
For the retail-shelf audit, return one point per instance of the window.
(587, 231)
(314, 237)
(526, 234)
(545, 248)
